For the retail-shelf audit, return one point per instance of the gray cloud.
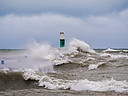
(78, 8)
(101, 31)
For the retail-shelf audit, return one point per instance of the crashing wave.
(42, 57)
(77, 45)
(54, 83)
(74, 48)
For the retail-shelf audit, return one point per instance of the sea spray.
(41, 51)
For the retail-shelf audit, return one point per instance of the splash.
(74, 47)
(77, 45)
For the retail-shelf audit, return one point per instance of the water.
(77, 70)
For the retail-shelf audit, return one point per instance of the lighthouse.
(62, 40)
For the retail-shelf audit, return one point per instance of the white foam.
(5, 70)
(31, 74)
(54, 83)
(117, 50)
(61, 61)
(105, 85)
(111, 56)
(95, 66)
(110, 50)
(105, 55)
(125, 51)
(119, 56)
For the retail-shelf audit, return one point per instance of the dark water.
(111, 65)
(15, 81)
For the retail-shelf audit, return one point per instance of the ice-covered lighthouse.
(62, 39)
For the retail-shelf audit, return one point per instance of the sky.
(100, 23)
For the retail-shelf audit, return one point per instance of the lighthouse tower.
(62, 40)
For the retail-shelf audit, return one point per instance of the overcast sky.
(100, 23)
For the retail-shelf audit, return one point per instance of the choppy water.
(76, 70)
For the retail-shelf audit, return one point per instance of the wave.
(34, 79)
(115, 50)
(12, 80)
(40, 59)
(95, 66)
(54, 83)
